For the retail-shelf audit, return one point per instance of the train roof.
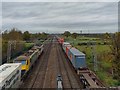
(68, 45)
(27, 55)
(76, 52)
(22, 57)
(35, 47)
(7, 69)
(64, 43)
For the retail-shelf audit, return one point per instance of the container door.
(73, 60)
(80, 62)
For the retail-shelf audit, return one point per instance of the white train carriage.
(10, 75)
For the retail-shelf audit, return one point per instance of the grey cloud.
(60, 16)
(61, 1)
(0, 16)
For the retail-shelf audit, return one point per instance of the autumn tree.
(15, 34)
(12, 35)
(115, 48)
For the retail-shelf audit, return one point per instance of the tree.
(44, 35)
(67, 33)
(74, 35)
(116, 53)
(26, 36)
(106, 35)
(15, 34)
(4, 35)
(12, 35)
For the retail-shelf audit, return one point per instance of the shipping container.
(61, 40)
(64, 45)
(10, 75)
(67, 49)
(77, 58)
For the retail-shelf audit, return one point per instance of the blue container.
(77, 58)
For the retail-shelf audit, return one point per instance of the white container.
(10, 75)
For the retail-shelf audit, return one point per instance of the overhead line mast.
(10, 44)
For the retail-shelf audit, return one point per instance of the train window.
(23, 62)
(20, 61)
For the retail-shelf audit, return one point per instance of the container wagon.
(10, 75)
(77, 58)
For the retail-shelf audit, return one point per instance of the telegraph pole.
(10, 44)
(94, 57)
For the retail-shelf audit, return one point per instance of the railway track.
(39, 78)
(51, 73)
(72, 80)
(50, 64)
(32, 80)
(72, 70)
(63, 71)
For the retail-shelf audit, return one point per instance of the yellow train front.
(29, 58)
(25, 61)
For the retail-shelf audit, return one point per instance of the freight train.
(76, 57)
(78, 61)
(29, 58)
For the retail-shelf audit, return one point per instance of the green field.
(103, 57)
(27, 45)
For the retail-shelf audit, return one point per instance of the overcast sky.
(0, 16)
(58, 17)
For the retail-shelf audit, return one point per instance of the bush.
(82, 43)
